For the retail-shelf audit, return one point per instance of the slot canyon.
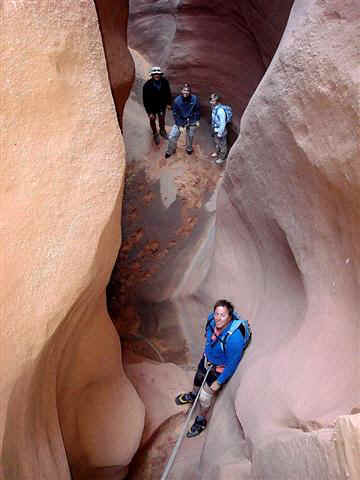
(112, 255)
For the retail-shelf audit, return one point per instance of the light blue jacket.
(218, 121)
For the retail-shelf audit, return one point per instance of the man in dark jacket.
(186, 113)
(156, 96)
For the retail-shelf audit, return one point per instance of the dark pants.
(161, 117)
(201, 372)
(221, 146)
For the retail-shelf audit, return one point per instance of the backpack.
(228, 112)
(237, 323)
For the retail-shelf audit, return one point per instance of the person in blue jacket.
(219, 130)
(224, 362)
(186, 113)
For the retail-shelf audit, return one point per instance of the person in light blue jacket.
(219, 130)
(223, 352)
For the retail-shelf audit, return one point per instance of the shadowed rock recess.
(276, 231)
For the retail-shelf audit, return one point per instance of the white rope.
(184, 430)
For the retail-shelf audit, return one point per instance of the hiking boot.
(219, 161)
(157, 138)
(164, 134)
(198, 426)
(185, 398)
(167, 154)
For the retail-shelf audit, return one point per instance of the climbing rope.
(137, 336)
(184, 430)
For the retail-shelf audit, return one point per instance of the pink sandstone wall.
(283, 248)
(286, 229)
(216, 46)
(286, 253)
(66, 404)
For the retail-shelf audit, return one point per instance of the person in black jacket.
(156, 96)
(186, 113)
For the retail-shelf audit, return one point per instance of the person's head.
(214, 99)
(156, 73)
(223, 311)
(186, 90)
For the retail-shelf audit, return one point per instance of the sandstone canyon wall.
(285, 248)
(286, 253)
(64, 393)
(216, 46)
(169, 209)
(276, 232)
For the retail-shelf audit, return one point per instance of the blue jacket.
(234, 347)
(186, 112)
(218, 121)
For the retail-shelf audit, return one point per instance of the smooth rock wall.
(182, 38)
(287, 216)
(286, 247)
(216, 46)
(113, 22)
(288, 212)
(64, 395)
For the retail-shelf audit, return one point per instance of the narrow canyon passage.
(102, 238)
(169, 209)
(183, 247)
(169, 204)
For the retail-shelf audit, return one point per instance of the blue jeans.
(174, 137)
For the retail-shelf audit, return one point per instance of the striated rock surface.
(113, 20)
(286, 234)
(66, 403)
(347, 438)
(277, 234)
(216, 46)
(169, 208)
(288, 212)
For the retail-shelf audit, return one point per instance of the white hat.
(155, 71)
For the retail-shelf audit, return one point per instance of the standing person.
(219, 130)
(227, 335)
(186, 113)
(156, 96)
